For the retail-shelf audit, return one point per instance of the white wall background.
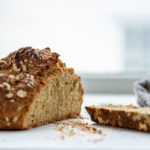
(86, 33)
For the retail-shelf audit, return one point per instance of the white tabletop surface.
(45, 137)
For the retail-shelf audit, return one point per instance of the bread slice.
(36, 88)
(123, 116)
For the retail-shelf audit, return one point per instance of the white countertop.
(45, 137)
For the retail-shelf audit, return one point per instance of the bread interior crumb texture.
(60, 99)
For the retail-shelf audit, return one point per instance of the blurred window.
(100, 36)
(137, 48)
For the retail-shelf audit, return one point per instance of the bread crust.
(23, 74)
(122, 116)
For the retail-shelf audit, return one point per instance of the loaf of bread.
(123, 116)
(36, 88)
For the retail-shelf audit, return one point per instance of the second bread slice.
(123, 116)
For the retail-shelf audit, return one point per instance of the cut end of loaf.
(128, 116)
(61, 98)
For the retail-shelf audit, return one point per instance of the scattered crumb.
(81, 117)
(62, 137)
(69, 128)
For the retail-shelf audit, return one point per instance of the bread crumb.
(62, 137)
(63, 127)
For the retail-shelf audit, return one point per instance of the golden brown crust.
(123, 116)
(40, 123)
(22, 75)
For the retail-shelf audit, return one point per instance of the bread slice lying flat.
(36, 88)
(123, 116)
